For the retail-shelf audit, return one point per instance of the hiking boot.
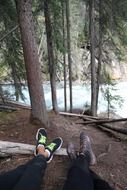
(53, 147)
(86, 149)
(71, 151)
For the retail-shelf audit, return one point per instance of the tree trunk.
(17, 84)
(64, 57)
(69, 51)
(51, 60)
(99, 51)
(93, 67)
(24, 11)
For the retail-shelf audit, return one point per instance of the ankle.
(40, 149)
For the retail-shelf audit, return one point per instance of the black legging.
(25, 177)
(80, 177)
(29, 176)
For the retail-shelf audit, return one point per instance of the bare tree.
(93, 67)
(69, 51)
(64, 55)
(51, 60)
(99, 50)
(24, 11)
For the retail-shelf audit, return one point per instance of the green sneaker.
(41, 137)
(53, 147)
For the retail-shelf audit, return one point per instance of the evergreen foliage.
(114, 39)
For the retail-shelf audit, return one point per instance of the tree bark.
(99, 51)
(93, 67)
(69, 52)
(64, 57)
(33, 68)
(51, 60)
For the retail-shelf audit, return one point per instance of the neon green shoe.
(41, 137)
(53, 147)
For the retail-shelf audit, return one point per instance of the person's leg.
(32, 177)
(79, 176)
(99, 183)
(29, 175)
(9, 179)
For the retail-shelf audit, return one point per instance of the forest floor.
(111, 153)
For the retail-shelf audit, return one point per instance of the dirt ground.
(111, 153)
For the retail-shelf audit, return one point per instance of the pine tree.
(24, 11)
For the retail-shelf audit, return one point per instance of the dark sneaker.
(71, 151)
(41, 136)
(86, 149)
(53, 147)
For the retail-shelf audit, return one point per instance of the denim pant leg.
(32, 177)
(79, 176)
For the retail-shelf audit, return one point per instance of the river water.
(81, 96)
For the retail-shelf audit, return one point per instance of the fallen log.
(92, 119)
(16, 104)
(113, 133)
(95, 120)
(77, 115)
(119, 130)
(101, 121)
(10, 148)
(7, 108)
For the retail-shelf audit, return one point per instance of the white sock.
(46, 150)
(41, 145)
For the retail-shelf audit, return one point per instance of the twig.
(12, 30)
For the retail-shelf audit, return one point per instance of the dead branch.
(12, 30)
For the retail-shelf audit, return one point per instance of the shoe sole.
(55, 150)
(38, 132)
